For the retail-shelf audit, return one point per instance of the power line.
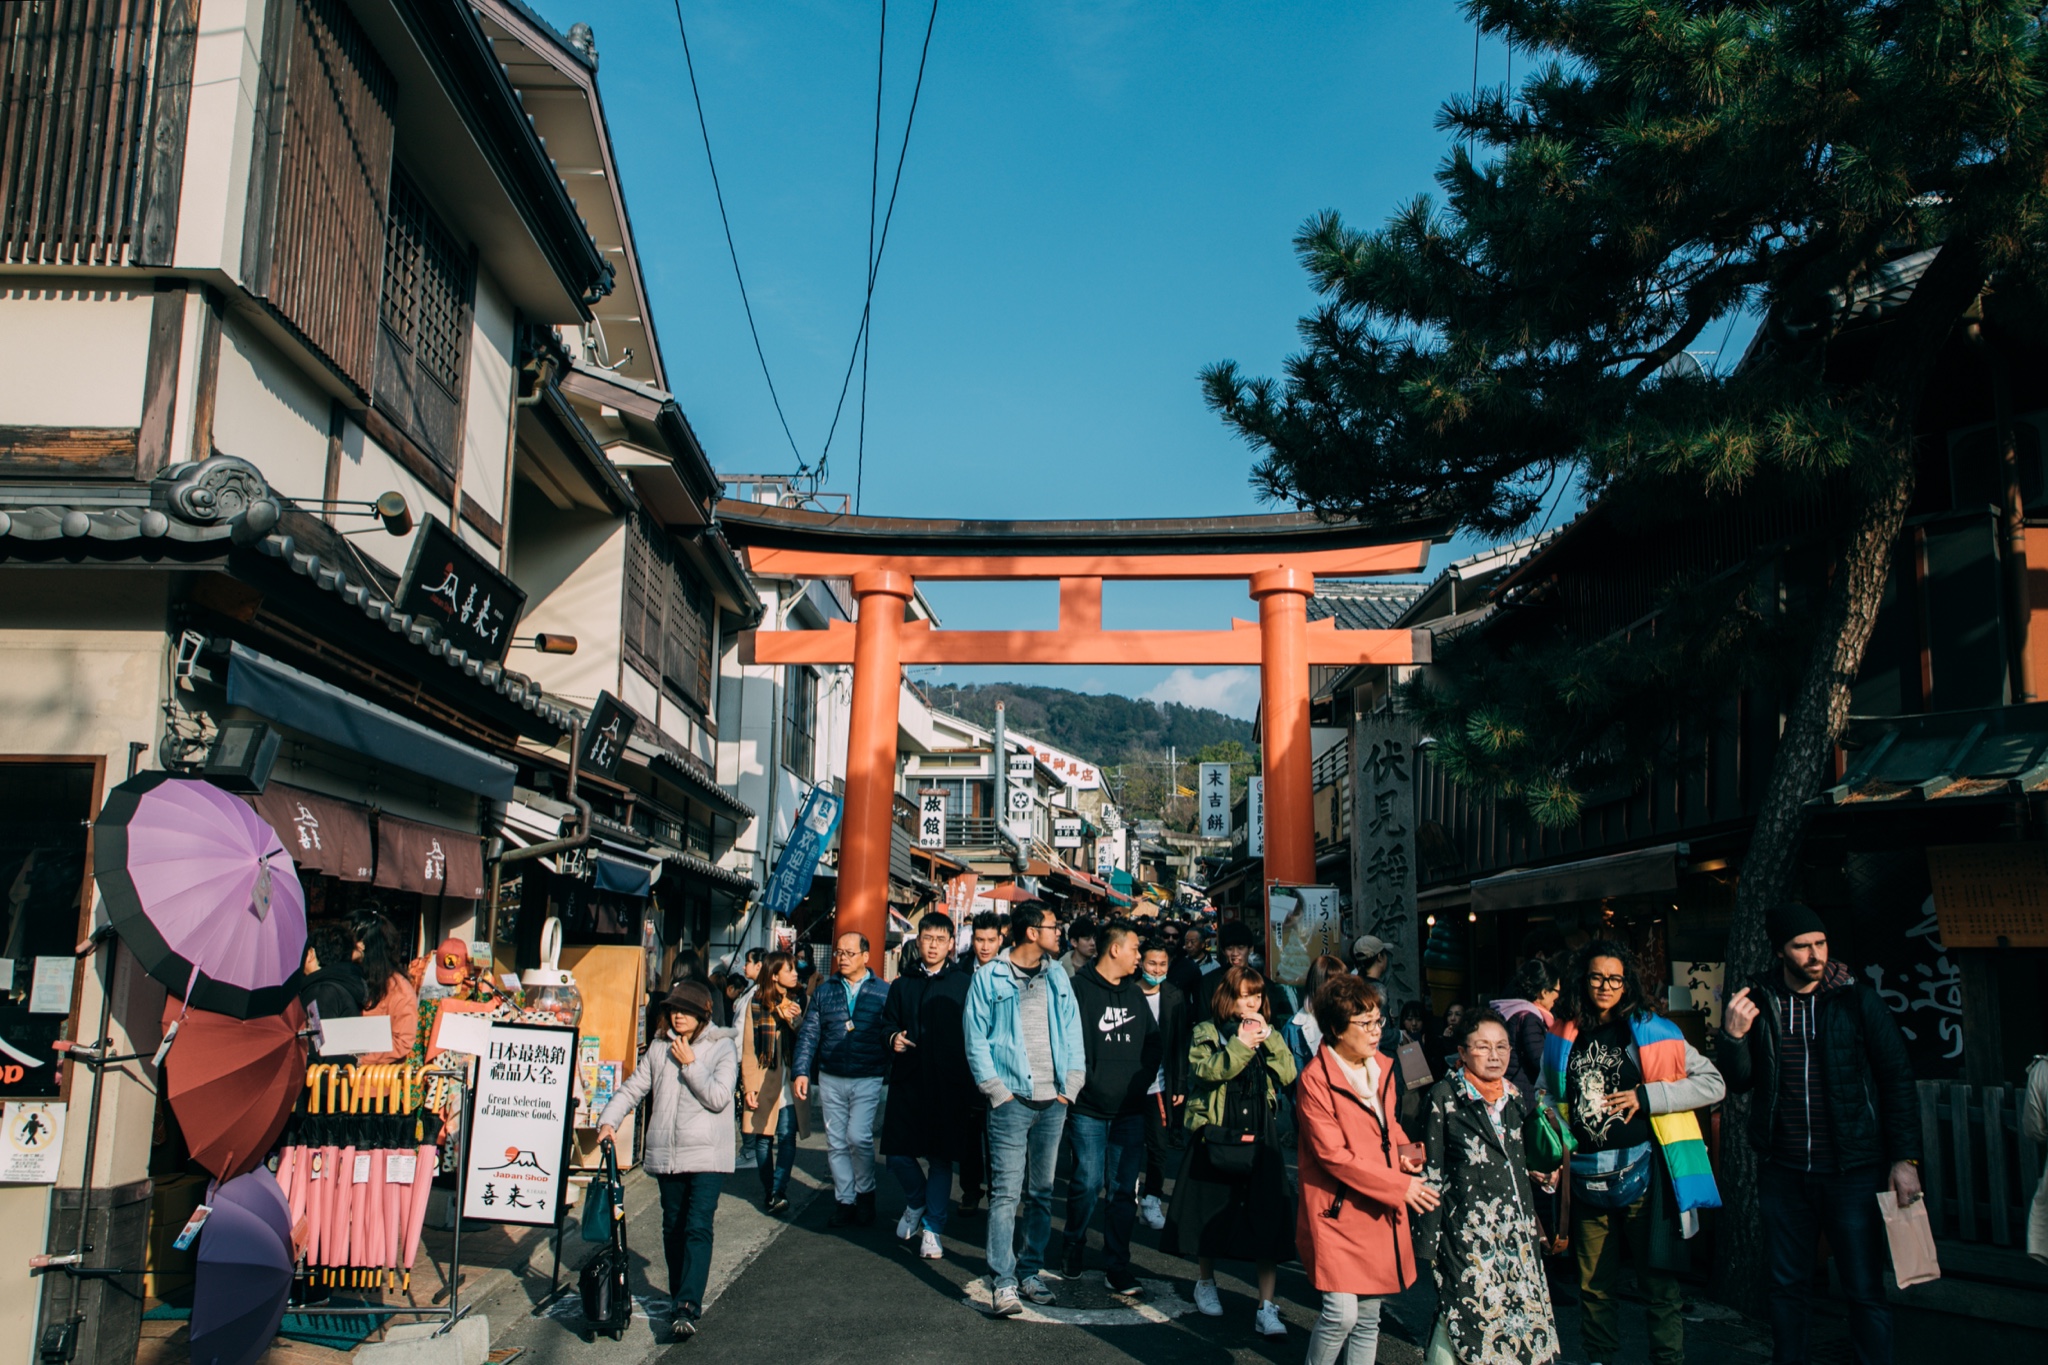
(731, 250)
(867, 347)
(882, 242)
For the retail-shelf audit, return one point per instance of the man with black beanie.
(1121, 1040)
(1833, 1117)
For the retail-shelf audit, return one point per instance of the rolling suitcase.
(607, 1304)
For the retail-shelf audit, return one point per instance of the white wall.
(367, 470)
(81, 674)
(219, 136)
(73, 352)
(572, 565)
(266, 411)
(487, 401)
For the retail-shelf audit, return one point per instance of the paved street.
(827, 1295)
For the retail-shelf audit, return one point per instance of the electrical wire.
(867, 346)
(882, 240)
(731, 250)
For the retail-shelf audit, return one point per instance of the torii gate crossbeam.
(883, 558)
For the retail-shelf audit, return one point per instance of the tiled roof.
(1366, 605)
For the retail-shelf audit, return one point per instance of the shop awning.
(1644, 871)
(622, 869)
(299, 701)
(429, 859)
(1998, 753)
(321, 833)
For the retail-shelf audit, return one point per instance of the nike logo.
(1114, 1018)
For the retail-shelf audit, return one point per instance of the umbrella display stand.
(454, 1310)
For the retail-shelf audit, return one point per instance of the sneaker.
(1207, 1302)
(842, 1216)
(778, 1204)
(1267, 1323)
(683, 1330)
(1152, 1211)
(1005, 1304)
(1123, 1281)
(906, 1226)
(928, 1246)
(1038, 1291)
(1074, 1260)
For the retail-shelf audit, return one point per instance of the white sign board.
(1066, 832)
(1302, 925)
(33, 1142)
(1255, 817)
(1212, 801)
(931, 817)
(1022, 766)
(520, 1126)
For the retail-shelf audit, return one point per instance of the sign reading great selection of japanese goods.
(520, 1130)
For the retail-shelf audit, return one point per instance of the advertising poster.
(1302, 925)
(519, 1131)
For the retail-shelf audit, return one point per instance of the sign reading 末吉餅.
(519, 1129)
(605, 736)
(931, 817)
(1383, 846)
(1212, 801)
(1066, 831)
(457, 591)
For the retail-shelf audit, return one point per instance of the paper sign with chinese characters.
(519, 1136)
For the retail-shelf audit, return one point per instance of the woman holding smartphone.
(1233, 1198)
(1360, 1175)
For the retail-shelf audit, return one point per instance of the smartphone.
(1412, 1151)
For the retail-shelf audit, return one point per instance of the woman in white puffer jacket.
(688, 1074)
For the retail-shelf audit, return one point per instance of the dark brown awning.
(428, 859)
(1644, 871)
(321, 833)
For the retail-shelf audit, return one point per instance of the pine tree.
(1664, 166)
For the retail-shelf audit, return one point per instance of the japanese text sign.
(519, 1132)
(791, 880)
(1212, 801)
(605, 736)
(455, 590)
(931, 817)
(1383, 846)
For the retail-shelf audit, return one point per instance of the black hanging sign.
(605, 735)
(454, 589)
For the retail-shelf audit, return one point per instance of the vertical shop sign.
(1383, 845)
(519, 1133)
(931, 817)
(1212, 800)
(791, 880)
(1255, 817)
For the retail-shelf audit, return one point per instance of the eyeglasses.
(1602, 983)
(1488, 1049)
(1373, 1025)
(847, 952)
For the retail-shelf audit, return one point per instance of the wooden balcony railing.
(93, 103)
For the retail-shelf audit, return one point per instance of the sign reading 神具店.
(1383, 846)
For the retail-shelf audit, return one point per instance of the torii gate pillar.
(864, 835)
(1282, 595)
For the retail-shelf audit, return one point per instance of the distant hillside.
(1105, 729)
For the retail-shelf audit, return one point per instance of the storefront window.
(45, 814)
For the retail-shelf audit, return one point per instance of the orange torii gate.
(1278, 555)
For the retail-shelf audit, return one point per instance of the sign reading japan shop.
(519, 1133)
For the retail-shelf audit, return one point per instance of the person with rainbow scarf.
(1629, 1084)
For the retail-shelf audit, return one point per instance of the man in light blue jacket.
(1024, 1049)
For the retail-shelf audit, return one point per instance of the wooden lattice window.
(800, 721)
(428, 283)
(667, 626)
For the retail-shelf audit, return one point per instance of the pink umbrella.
(416, 1209)
(203, 892)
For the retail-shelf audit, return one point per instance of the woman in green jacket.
(1233, 1198)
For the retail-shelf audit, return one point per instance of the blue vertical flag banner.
(791, 880)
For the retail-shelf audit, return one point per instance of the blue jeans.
(1115, 1147)
(774, 1154)
(850, 1103)
(1023, 1150)
(930, 1190)
(689, 1202)
(1798, 1208)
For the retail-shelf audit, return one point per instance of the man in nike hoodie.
(1121, 1041)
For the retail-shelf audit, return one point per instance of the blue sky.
(1098, 201)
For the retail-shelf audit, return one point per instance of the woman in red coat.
(1357, 1188)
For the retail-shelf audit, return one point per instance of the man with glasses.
(841, 1045)
(1024, 1050)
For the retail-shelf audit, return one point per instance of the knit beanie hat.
(1783, 923)
(689, 997)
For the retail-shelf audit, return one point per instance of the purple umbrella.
(244, 1272)
(196, 882)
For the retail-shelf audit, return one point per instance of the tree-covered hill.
(1105, 729)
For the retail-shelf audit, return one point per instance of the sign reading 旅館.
(519, 1129)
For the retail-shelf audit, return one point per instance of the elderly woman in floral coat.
(1493, 1301)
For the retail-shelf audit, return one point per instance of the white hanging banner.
(1255, 817)
(519, 1130)
(1212, 801)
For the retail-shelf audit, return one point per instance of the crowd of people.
(1558, 1121)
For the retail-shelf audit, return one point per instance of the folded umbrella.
(195, 880)
(243, 1272)
(232, 1083)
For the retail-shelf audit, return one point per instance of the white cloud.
(1233, 691)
